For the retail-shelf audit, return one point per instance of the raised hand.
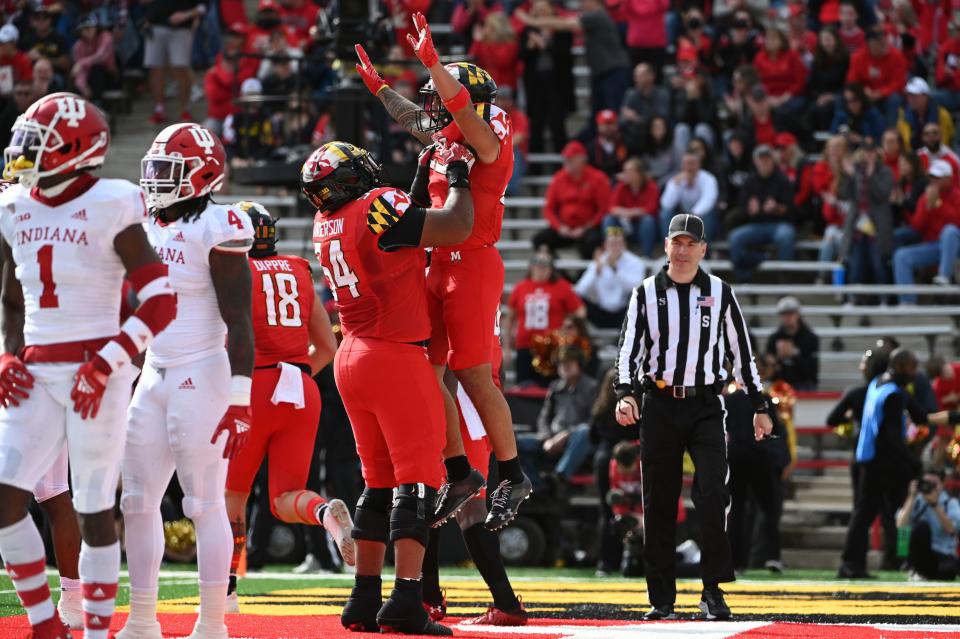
(423, 43)
(375, 83)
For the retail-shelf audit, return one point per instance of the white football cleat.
(70, 608)
(337, 522)
(201, 631)
(233, 604)
(140, 630)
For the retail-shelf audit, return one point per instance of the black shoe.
(505, 501)
(846, 572)
(360, 613)
(453, 495)
(713, 606)
(660, 613)
(406, 616)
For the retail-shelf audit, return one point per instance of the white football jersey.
(198, 331)
(67, 265)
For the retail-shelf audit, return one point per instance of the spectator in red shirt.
(936, 225)
(882, 70)
(470, 14)
(945, 378)
(15, 66)
(782, 73)
(697, 39)
(538, 305)
(947, 91)
(521, 137)
(607, 151)
(222, 82)
(646, 31)
(495, 49)
(634, 205)
(577, 199)
(825, 183)
(401, 14)
(934, 149)
(297, 17)
(801, 39)
(850, 32)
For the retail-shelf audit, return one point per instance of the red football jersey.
(540, 307)
(488, 182)
(283, 299)
(378, 294)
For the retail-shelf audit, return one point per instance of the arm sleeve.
(953, 512)
(546, 414)
(671, 194)
(708, 194)
(838, 414)
(738, 343)
(586, 285)
(629, 274)
(631, 343)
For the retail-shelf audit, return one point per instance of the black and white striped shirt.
(682, 335)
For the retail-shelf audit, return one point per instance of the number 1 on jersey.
(342, 276)
(48, 297)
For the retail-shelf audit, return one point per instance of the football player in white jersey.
(65, 367)
(193, 391)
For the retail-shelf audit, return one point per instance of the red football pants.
(396, 410)
(279, 431)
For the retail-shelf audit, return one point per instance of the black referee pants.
(669, 426)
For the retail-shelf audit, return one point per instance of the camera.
(925, 486)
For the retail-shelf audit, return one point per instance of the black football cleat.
(405, 615)
(660, 613)
(360, 613)
(505, 501)
(453, 495)
(712, 605)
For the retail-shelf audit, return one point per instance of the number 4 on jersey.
(342, 276)
(234, 220)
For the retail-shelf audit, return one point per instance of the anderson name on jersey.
(67, 265)
(198, 331)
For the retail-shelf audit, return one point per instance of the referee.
(681, 325)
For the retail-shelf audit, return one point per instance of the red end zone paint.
(328, 627)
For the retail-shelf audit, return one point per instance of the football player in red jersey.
(293, 341)
(369, 241)
(466, 280)
(66, 368)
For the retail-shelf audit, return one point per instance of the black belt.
(678, 392)
(303, 367)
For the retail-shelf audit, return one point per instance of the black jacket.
(802, 370)
(743, 444)
(775, 185)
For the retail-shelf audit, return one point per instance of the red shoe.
(52, 628)
(439, 611)
(496, 617)
(158, 117)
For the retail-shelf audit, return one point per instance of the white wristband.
(240, 390)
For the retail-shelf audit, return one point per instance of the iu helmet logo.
(203, 138)
(72, 110)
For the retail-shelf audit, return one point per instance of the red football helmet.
(58, 133)
(186, 161)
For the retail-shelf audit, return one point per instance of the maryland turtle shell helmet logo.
(480, 86)
(338, 173)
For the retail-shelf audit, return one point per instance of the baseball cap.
(918, 86)
(788, 304)
(251, 86)
(573, 149)
(686, 224)
(268, 5)
(87, 21)
(9, 33)
(938, 168)
(785, 139)
(607, 116)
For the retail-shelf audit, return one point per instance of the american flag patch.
(704, 301)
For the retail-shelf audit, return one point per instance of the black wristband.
(458, 175)
(623, 390)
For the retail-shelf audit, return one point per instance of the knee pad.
(408, 517)
(371, 518)
(194, 507)
(136, 503)
(473, 512)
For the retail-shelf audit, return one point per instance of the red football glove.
(15, 380)
(450, 152)
(368, 73)
(90, 384)
(423, 43)
(236, 423)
